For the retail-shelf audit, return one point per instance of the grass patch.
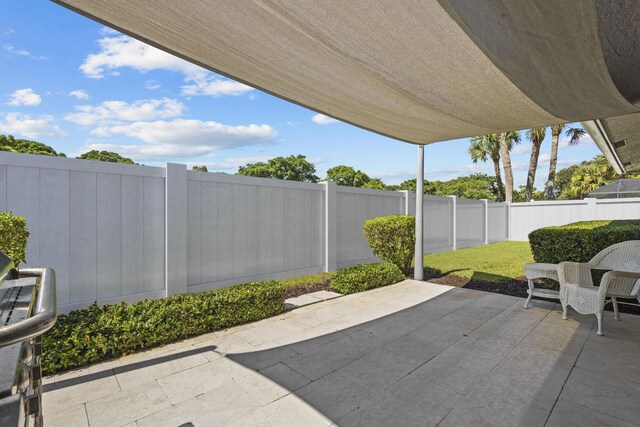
(488, 263)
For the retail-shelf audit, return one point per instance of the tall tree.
(536, 136)
(347, 176)
(574, 134)
(105, 156)
(9, 143)
(506, 141)
(376, 184)
(202, 168)
(292, 168)
(483, 148)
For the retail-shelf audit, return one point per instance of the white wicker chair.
(623, 281)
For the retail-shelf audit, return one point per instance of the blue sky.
(73, 84)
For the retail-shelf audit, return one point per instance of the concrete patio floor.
(410, 354)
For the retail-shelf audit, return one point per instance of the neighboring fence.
(526, 217)
(117, 232)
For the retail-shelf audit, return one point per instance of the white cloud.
(8, 32)
(321, 119)
(151, 152)
(152, 84)
(79, 94)
(24, 97)
(117, 112)
(121, 51)
(106, 31)
(31, 127)
(521, 148)
(21, 52)
(193, 133)
(214, 86)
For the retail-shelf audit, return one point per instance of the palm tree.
(574, 135)
(536, 136)
(486, 147)
(506, 140)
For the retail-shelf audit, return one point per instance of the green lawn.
(492, 263)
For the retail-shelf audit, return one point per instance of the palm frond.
(575, 134)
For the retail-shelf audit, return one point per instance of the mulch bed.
(296, 291)
(516, 288)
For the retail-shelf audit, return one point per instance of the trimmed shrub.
(580, 241)
(13, 237)
(363, 277)
(392, 238)
(97, 333)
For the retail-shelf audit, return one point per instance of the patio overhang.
(419, 71)
(619, 139)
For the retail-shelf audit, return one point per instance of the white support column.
(454, 232)
(486, 221)
(418, 269)
(175, 233)
(330, 226)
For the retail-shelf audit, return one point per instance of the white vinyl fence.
(117, 232)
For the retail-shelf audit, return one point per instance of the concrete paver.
(414, 353)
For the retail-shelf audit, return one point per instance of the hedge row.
(97, 333)
(366, 276)
(580, 241)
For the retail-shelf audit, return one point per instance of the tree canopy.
(347, 176)
(292, 168)
(9, 143)
(105, 156)
(202, 168)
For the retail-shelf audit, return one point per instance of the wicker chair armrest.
(619, 283)
(575, 272)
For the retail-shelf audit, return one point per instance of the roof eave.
(602, 140)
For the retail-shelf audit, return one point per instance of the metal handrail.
(44, 316)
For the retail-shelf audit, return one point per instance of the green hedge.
(13, 237)
(366, 276)
(98, 333)
(392, 238)
(580, 241)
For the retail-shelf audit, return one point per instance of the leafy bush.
(98, 333)
(366, 276)
(580, 241)
(392, 238)
(13, 237)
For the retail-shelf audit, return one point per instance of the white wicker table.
(540, 270)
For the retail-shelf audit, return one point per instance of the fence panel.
(100, 226)
(498, 222)
(356, 205)
(438, 224)
(470, 223)
(243, 229)
(618, 208)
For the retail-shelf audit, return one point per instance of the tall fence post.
(486, 221)
(454, 216)
(508, 220)
(407, 202)
(330, 226)
(175, 233)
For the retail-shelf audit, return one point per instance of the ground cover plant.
(98, 333)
